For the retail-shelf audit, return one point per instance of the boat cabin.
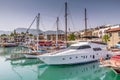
(87, 45)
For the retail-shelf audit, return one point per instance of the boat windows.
(76, 57)
(97, 49)
(80, 47)
(93, 56)
(84, 47)
(107, 56)
(73, 47)
(90, 55)
(63, 58)
(97, 54)
(70, 58)
(83, 57)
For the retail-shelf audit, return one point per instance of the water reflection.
(10, 50)
(25, 69)
(90, 71)
(111, 75)
(25, 62)
(34, 69)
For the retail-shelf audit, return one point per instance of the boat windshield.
(79, 47)
(73, 47)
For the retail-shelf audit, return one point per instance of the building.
(51, 35)
(88, 32)
(114, 34)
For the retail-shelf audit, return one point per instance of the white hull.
(71, 59)
(31, 56)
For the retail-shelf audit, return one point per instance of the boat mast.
(38, 17)
(85, 22)
(57, 31)
(66, 23)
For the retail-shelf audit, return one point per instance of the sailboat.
(58, 44)
(81, 52)
(34, 51)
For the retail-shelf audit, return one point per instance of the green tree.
(12, 34)
(15, 33)
(3, 35)
(30, 35)
(71, 37)
(22, 33)
(106, 38)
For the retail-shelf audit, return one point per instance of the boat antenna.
(85, 22)
(66, 23)
(37, 22)
(57, 21)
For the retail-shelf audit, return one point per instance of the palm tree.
(71, 37)
(30, 35)
(106, 38)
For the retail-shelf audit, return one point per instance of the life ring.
(117, 63)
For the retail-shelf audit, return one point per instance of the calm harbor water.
(34, 69)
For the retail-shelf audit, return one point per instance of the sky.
(20, 13)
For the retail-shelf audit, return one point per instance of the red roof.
(113, 30)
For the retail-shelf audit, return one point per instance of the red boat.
(113, 63)
(116, 60)
(45, 43)
(116, 57)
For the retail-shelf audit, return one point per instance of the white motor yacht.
(81, 52)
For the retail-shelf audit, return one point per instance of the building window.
(110, 34)
(119, 33)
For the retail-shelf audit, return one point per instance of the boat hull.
(34, 54)
(69, 59)
(30, 56)
(81, 52)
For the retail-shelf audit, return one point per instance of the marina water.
(34, 69)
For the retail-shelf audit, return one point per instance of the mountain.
(54, 32)
(4, 32)
(31, 31)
